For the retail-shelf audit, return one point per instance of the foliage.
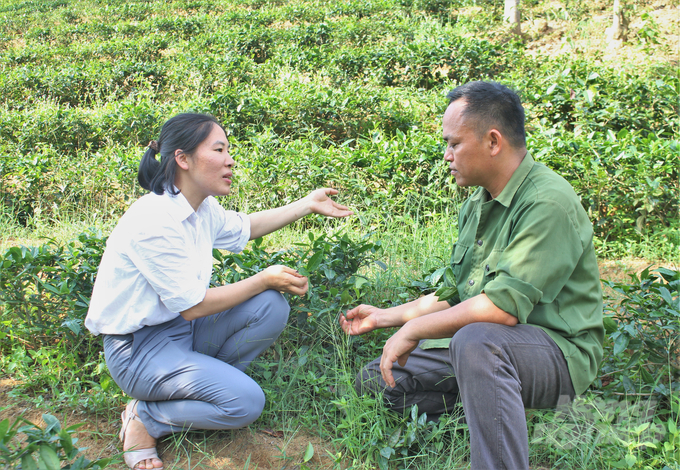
(344, 94)
(594, 432)
(308, 368)
(43, 449)
(331, 264)
(317, 93)
(643, 321)
(387, 439)
(47, 289)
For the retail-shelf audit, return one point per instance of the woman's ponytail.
(149, 168)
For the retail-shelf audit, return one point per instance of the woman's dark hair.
(185, 131)
(490, 104)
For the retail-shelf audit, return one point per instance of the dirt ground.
(248, 448)
(554, 36)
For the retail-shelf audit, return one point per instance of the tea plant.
(43, 448)
(47, 290)
(331, 263)
(310, 86)
(643, 320)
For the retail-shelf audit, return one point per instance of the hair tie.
(153, 145)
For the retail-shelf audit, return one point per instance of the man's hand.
(284, 279)
(397, 349)
(320, 203)
(360, 320)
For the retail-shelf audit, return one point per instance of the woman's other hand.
(284, 279)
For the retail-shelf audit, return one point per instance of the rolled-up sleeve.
(168, 268)
(231, 230)
(538, 260)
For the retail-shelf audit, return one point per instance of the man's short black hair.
(492, 105)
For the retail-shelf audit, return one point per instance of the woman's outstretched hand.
(321, 203)
(316, 202)
(284, 279)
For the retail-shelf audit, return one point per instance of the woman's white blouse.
(158, 261)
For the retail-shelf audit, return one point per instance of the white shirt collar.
(182, 210)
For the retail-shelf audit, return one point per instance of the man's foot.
(138, 446)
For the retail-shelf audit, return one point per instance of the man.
(527, 326)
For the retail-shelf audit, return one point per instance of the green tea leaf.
(49, 458)
(621, 343)
(446, 293)
(4, 426)
(646, 376)
(315, 261)
(52, 423)
(610, 325)
(27, 463)
(309, 452)
(382, 265)
(66, 441)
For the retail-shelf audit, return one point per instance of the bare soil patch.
(549, 34)
(251, 447)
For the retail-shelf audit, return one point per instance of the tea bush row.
(628, 182)
(110, 70)
(303, 87)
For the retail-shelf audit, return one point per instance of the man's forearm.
(444, 323)
(398, 316)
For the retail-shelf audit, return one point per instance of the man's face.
(466, 153)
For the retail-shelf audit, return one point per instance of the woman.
(177, 346)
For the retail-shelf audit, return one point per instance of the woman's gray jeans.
(190, 374)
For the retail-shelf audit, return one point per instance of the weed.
(43, 448)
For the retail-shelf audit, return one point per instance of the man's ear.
(495, 142)
(181, 159)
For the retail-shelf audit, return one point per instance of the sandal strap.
(126, 417)
(133, 457)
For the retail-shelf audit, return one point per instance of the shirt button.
(471, 282)
(480, 242)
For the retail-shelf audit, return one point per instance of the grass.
(308, 380)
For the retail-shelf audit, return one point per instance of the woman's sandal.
(133, 457)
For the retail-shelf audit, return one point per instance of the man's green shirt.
(531, 252)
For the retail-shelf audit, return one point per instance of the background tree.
(511, 15)
(619, 28)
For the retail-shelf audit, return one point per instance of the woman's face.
(209, 170)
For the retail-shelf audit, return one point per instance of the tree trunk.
(511, 15)
(619, 28)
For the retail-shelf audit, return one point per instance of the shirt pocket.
(457, 257)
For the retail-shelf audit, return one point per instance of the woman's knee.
(243, 410)
(252, 406)
(276, 305)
